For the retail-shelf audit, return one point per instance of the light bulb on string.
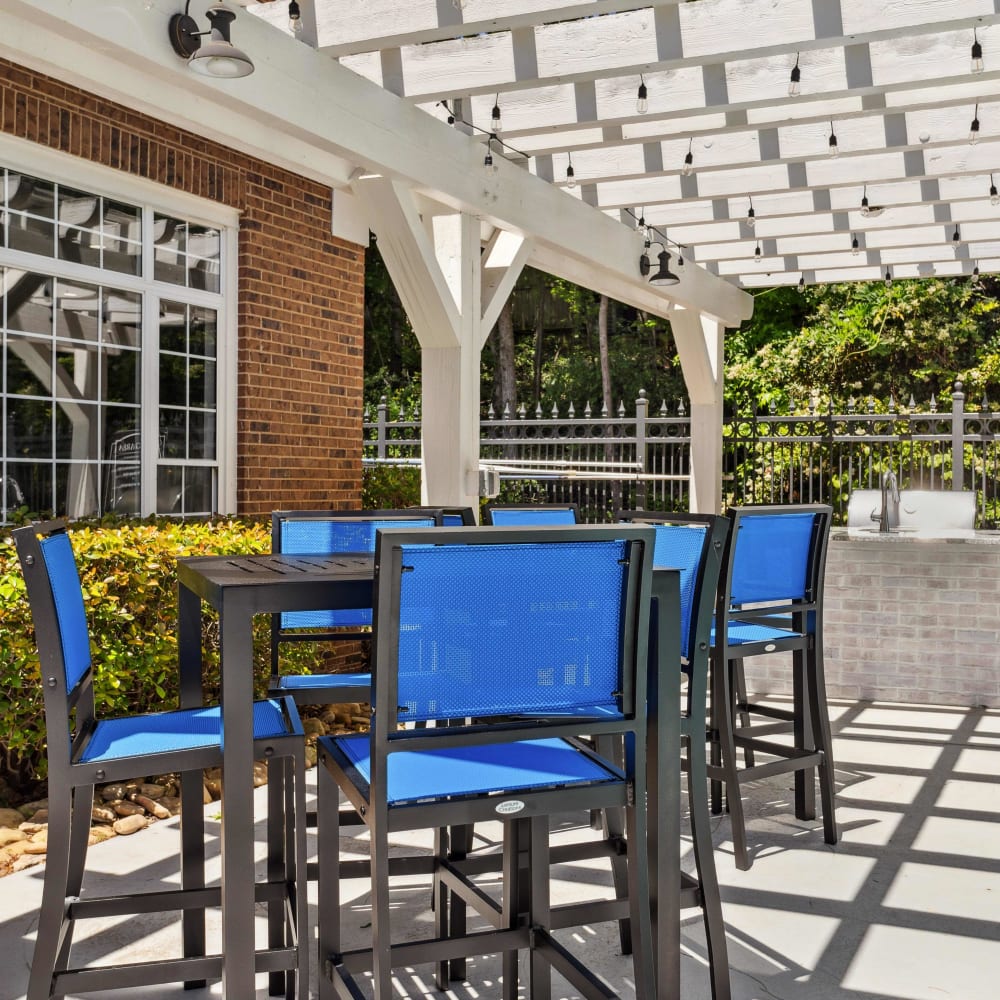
(641, 97)
(294, 17)
(977, 54)
(795, 79)
(855, 246)
(688, 167)
(974, 128)
(496, 124)
(751, 214)
(833, 147)
(994, 194)
(570, 173)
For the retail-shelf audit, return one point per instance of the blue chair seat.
(456, 772)
(325, 682)
(741, 633)
(167, 732)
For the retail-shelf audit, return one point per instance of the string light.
(833, 147)
(653, 235)
(802, 285)
(451, 116)
(757, 257)
(888, 278)
(855, 246)
(641, 100)
(974, 128)
(994, 194)
(488, 158)
(975, 275)
(794, 80)
(751, 215)
(688, 167)
(294, 17)
(495, 123)
(869, 211)
(956, 237)
(570, 173)
(977, 53)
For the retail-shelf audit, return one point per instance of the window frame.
(152, 198)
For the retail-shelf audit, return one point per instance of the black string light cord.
(664, 241)
(491, 136)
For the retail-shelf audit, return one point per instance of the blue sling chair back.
(694, 545)
(514, 644)
(84, 751)
(771, 601)
(313, 532)
(524, 515)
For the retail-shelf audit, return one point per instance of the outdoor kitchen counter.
(908, 618)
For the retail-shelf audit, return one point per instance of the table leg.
(192, 782)
(236, 651)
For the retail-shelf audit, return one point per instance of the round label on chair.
(510, 807)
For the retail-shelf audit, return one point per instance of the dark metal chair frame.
(786, 624)
(524, 918)
(79, 759)
(701, 891)
(546, 512)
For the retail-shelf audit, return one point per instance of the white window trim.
(36, 160)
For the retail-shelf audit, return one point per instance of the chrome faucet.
(890, 488)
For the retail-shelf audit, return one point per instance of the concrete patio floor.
(905, 907)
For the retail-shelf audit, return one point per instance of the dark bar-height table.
(239, 587)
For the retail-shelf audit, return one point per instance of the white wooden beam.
(498, 279)
(411, 259)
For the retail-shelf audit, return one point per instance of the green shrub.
(128, 573)
(389, 487)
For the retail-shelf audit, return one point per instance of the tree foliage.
(853, 339)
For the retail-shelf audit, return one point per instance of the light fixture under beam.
(217, 57)
(795, 79)
(663, 275)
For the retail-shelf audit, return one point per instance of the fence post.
(957, 438)
(380, 428)
(641, 415)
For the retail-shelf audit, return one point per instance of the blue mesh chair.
(84, 751)
(771, 601)
(451, 517)
(515, 644)
(523, 515)
(694, 545)
(324, 532)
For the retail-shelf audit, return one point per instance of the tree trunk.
(539, 336)
(506, 377)
(602, 344)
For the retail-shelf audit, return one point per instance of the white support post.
(436, 266)
(699, 341)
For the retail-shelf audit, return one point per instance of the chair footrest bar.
(770, 769)
(171, 970)
(756, 730)
(768, 711)
(440, 949)
(164, 900)
(484, 904)
(590, 912)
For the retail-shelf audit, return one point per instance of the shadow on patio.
(905, 907)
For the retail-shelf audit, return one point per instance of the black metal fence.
(604, 461)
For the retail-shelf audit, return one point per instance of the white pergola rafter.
(893, 82)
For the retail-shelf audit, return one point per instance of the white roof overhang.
(892, 81)
(304, 110)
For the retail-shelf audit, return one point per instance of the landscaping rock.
(151, 807)
(129, 825)
(10, 818)
(103, 814)
(126, 808)
(9, 836)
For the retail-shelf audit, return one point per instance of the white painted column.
(699, 341)
(450, 399)
(452, 293)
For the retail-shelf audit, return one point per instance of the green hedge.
(129, 582)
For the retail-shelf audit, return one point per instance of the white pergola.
(360, 97)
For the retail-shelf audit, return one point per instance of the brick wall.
(906, 621)
(301, 291)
